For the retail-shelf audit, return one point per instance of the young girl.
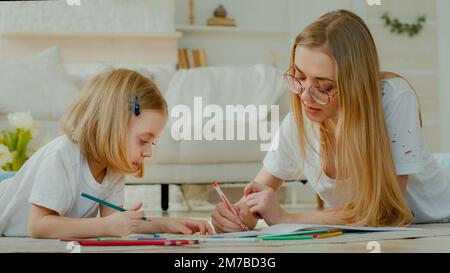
(109, 131)
(355, 134)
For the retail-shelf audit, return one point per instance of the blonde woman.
(108, 131)
(354, 132)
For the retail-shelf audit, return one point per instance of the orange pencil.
(327, 235)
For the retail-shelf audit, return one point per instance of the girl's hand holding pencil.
(182, 226)
(130, 221)
(124, 223)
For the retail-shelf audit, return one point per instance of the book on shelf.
(220, 21)
(187, 60)
(190, 57)
(183, 60)
(203, 62)
(181, 64)
(196, 55)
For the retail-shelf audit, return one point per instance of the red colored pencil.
(138, 242)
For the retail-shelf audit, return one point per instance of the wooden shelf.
(155, 36)
(156, 48)
(223, 29)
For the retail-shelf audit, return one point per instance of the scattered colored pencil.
(300, 236)
(327, 235)
(138, 242)
(304, 232)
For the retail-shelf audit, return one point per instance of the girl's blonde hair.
(99, 119)
(362, 153)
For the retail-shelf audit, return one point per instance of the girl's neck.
(98, 171)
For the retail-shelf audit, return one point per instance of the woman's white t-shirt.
(54, 178)
(428, 190)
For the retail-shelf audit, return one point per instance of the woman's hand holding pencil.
(231, 218)
(263, 201)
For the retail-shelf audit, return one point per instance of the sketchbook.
(286, 229)
(280, 229)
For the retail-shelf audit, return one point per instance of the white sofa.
(174, 161)
(204, 161)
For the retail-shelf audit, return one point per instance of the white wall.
(266, 28)
(443, 14)
(92, 16)
(248, 13)
(415, 58)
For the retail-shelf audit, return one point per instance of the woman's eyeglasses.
(319, 94)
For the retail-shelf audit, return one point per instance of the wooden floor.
(432, 238)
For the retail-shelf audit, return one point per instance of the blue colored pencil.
(103, 202)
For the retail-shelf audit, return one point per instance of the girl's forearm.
(328, 217)
(54, 226)
(154, 225)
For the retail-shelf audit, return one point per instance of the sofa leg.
(320, 204)
(164, 197)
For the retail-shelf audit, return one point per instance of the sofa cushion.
(36, 84)
(81, 73)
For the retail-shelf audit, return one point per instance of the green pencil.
(287, 237)
(303, 232)
(103, 202)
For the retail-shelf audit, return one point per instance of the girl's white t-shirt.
(54, 178)
(428, 190)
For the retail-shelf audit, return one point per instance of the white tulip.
(21, 120)
(5, 155)
(34, 130)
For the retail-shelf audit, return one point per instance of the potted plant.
(14, 144)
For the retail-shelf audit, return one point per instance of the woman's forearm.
(266, 178)
(328, 217)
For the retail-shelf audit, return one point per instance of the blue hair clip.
(135, 106)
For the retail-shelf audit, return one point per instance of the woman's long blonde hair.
(99, 119)
(362, 153)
